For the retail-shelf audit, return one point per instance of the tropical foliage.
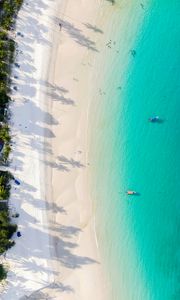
(8, 13)
(6, 232)
(5, 178)
(3, 272)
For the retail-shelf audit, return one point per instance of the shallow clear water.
(139, 236)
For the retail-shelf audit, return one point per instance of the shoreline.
(106, 187)
(67, 232)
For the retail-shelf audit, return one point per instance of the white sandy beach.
(57, 255)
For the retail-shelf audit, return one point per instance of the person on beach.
(60, 26)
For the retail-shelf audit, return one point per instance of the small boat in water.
(131, 193)
(154, 119)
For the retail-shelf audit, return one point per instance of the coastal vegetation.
(6, 227)
(7, 230)
(8, 14)
(5, 178)
(9, 10)
(3, 272)
(6, 140)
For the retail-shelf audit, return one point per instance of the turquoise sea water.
(140, 236)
